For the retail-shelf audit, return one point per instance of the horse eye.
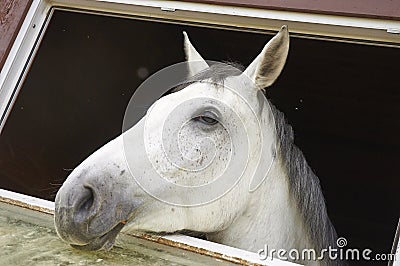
(206, 120)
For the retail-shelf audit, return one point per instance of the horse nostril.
(87, 200)
(74, 211)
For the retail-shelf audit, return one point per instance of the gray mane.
(304, 185)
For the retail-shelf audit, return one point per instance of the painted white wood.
(396, 247)
(397, 256)
(226, 250)
(253, 18)
(28, 200)
(23, 47)
(175, 6)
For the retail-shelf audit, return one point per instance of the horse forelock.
(218, 72)
(215, 74)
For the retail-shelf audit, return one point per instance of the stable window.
(340, 95)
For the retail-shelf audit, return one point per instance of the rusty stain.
(26, 205)
(198, 250)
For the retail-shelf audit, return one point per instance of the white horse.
(116, 188)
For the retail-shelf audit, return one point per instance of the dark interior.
(342, 100)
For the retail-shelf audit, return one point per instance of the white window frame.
(316, 26)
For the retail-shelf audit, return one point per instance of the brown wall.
(386, 9)
(12, 14)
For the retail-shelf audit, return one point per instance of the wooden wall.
(12, 14)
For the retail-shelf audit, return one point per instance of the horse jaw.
(270, 218)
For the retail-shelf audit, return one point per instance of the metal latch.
(168, 9)
(393, 31)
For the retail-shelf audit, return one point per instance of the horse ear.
(265, 69)
(196, 62)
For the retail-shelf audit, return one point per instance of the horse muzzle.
(89, 215)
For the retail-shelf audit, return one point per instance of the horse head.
(192, 162)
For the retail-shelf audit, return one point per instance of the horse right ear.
(196, 63)
(267, 66)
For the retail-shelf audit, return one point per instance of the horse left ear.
(265, 69)
(196, 63)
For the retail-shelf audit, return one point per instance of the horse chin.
(105, 241)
